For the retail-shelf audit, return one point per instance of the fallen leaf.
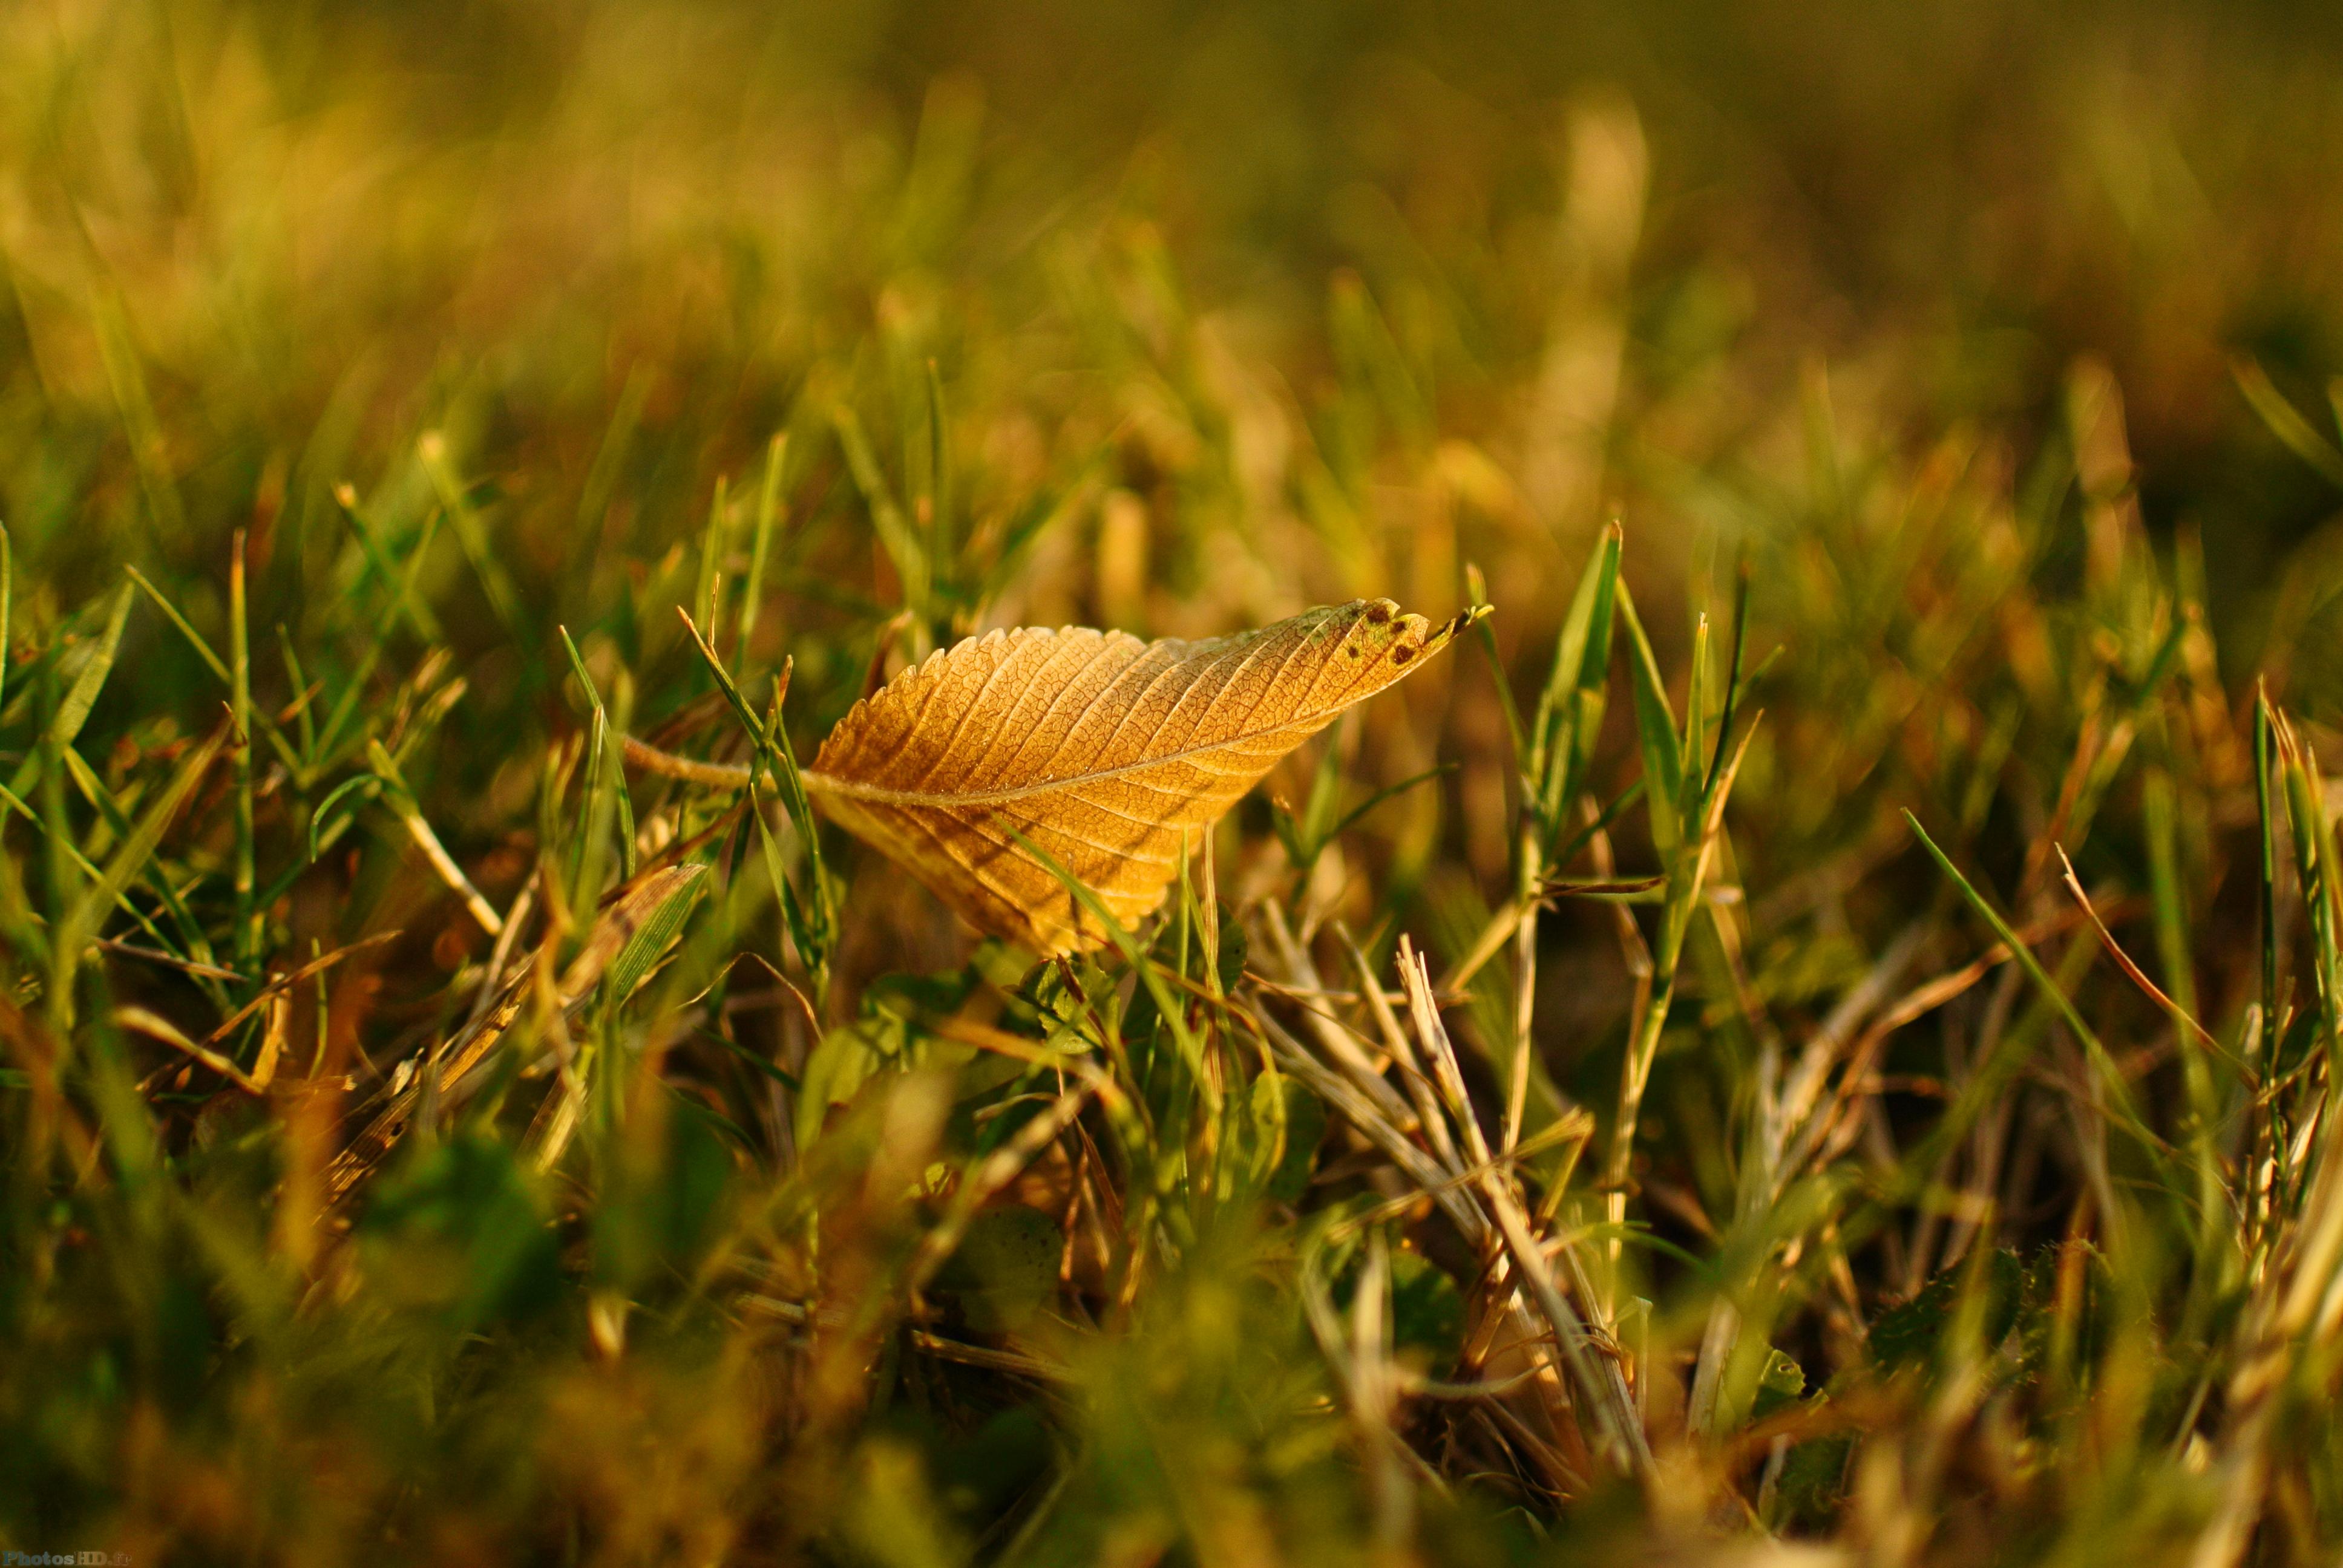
(1101, 751)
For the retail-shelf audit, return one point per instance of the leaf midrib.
(831, 784)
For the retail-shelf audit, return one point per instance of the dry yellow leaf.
(1099, 749)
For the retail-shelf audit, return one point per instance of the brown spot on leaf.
(1401, 654)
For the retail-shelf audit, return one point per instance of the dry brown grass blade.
(1098, 748)
(1605, 1406)
(1334, 1035)
(169, 961)
(1420, 1087)
(272, 997)
(1821, 1129)
(621, 919)
(156, 1027)
(288, 979)
(2139, 976)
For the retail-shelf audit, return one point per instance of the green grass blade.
(2118, 1093)
(605, 776)
(404, 599)
(809, 941)
(472, 533)
(304, 713)
(775, 754)
(1695, 726)
(652, 938)
(2285, 422)
(1570, 708)
(93, 790)
(84, 917)
(1732, 681)
(1167, 1004)
(66, 724)
(319, 840)
(213, 662)
(1477, 587)
(768, 507)
(943, 546)
(714, 542)
(1655, 730)
(902, 542)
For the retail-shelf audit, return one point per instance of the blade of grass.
(1655, 730)
(88, 870)
(7, 602)
(768, 507)
(775, 753)
(714, 542)
(401, 800)
(2111, 1075)
(605, 796)
(1476, 588)
(650, 938)
(83, 916)
(404, 599)
(431, 450)
(65, 721)
(195, 946)
(65, 725)
(213, 662)
(902, 542)
(1167, 1006)
(2285, 422)
(1732, 678)
(303, 711)
(1569, 711)
(943, 547)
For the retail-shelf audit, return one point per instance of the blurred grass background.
(1970, 329)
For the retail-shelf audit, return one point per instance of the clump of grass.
(1818, 1043)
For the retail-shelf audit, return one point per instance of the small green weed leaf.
(1779, 1386)
(2001, 1301)
(1272, 1135)
(1812, 1486)
(1305, 1128)
(840, 1062)
(1229, 961)
(885, 1037)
